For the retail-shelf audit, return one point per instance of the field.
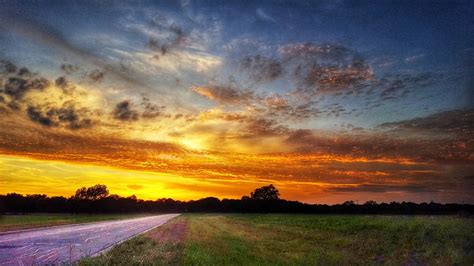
(208, 239)
(19, 222)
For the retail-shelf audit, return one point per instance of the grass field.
(18, 222)
(207, 239)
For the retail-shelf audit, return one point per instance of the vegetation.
(96, 192)
(279, 239)
(265, 193)
(266, 199)
(18, 222)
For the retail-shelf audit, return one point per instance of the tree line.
(96, 199)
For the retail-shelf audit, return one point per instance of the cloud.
(455, 185)
(47, 143)
(225, 94)
(262, 127)
(151, 110)
(69, 68)
(53, 39)
(24, 91)
(67, 115)
(135, 187)
(17, 87)
(273, 106)
(7, 67)
(383, 188)
(377, 145)
(123, 111)
(393, 86)
(167, 45)
(280, 107)
(96, 75)
(35, 115)
(261, 68)
(61, 82)
(325, 68)
(261, 14)
(414, 58)
(459, 122)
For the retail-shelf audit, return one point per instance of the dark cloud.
(225, 94)
(24, 72)
(70, 116)
(61, 82)
(422, 185)
(400, 85)
(382, 188)
(37, 116)
(151, 110)
(374, 145)
(175, 36)
(460, 122)
(262, 127)
(7, 67)
(261, 68)
(17, 87)
(336, 110)
(96, 75)
(69, 68)
(279, 107)
(123, 111)
(66, 115)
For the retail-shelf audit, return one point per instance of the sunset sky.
(327, 100)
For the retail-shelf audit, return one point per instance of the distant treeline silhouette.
(266, 199)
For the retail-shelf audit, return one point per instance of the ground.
(218, 239)
(19, 222)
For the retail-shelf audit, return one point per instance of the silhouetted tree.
(96, 192)
(370, 203)
(266, 193)
(263, 200)
(348, 203)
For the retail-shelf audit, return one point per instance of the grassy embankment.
(18, 222)
(205, 239)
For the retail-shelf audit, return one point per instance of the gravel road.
(69, 243)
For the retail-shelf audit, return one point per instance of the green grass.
(215, 239)
(18, 222)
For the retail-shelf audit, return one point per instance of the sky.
(327, 100)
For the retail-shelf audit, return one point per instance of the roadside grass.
(160, 246)
(19, 222)
(274, 239)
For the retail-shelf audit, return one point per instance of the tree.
(370, 203)
(266, 193)
(92, 193)
(348, 203)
